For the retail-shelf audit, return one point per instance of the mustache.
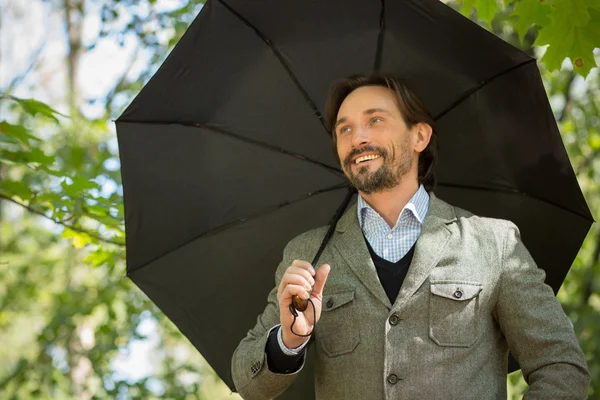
(365, 149)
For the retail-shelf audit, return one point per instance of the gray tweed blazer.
(472, 293)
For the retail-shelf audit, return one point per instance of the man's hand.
(298, 280)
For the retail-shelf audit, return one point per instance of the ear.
(423, 136)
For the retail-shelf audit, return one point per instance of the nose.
(360, 138)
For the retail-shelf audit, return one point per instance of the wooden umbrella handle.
(299, 304)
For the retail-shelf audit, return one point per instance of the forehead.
(366, 97)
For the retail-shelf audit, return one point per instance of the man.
(417, 299)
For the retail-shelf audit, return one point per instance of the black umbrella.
(225, 155)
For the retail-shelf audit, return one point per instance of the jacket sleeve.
(250, 371)
(538, 332)
(277, 360)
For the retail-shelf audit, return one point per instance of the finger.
(304, 265)
(296, 276)
(293, 280)
(297, 280)
(293, 270)
(321, 278)
(293, 290)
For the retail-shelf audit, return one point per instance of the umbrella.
(225, 155)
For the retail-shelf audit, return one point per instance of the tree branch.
(73, 20)
(34, 59)
(74, 228)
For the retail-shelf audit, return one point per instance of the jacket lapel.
(351, 244)
(430, 247)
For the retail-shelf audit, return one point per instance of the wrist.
(290, 340)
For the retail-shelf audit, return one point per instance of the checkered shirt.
(393, 244)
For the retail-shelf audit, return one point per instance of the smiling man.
(418, 299)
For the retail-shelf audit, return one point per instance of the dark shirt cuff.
(277, 360)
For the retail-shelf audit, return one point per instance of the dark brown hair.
(411, 107)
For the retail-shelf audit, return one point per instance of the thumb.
(320, 278)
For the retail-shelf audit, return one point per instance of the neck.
(390, 203)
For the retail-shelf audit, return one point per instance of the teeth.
(366, 158)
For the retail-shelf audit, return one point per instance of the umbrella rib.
(286, 67)
(243, 219)
(515, 191)
(475, 89)
(267, 146)
(380, 38)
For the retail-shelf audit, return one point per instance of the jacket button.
(255, 367)
(329, 303)
(392, 379)
(458, 294)
(394, 319)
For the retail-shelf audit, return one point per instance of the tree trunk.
(81, 366)
(74, 14)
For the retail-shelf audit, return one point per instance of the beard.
(384, 178)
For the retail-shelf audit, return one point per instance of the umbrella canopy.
(225, 155)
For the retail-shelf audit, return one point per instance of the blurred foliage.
(68, 315)
(571, 29)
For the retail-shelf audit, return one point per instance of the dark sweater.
(391, 275)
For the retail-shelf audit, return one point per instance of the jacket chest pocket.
(337, 330)
(453, 312)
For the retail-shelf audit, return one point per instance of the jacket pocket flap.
(456, 290)
(331, 301)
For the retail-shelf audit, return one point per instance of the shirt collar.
(418, 205)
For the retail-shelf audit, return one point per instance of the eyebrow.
(366, 112)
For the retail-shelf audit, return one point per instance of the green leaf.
(78, 239)
(4, 159)
(96, 210)
(34, 107)
(52, 200)
(16, 188)
(33, 155)
(572, 33)
(38, 156)
(99, 256)
(486, 10)
(527, 13)
(77, 186)
(7, 139)
(467, 6)
(18, 132)
(47, 169)
(102, 214)
(180, 27)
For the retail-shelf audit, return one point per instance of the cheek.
(341, 148)
(339, 152)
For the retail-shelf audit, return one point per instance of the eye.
(376, 120)
(344, 129)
